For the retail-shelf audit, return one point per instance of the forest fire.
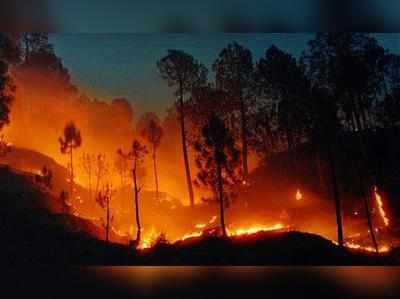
(185, 172)
(149, 240)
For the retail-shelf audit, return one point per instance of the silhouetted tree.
(282, 91)
(7, 89)
(203, 103)
(150, 129)
(352, 66)
(184, 73)
(103, 199)
(234, 75)
(34, 43)
(325, 133)
(218, 161)
(68, 143)
(388, 110)
(136, 155)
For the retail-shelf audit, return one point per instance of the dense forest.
(239, 138)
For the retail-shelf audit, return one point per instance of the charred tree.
(136, 155)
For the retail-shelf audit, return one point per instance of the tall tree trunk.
(244, 136)
(136, 193)
(155, 169)
(336, 196)
(367, 211)
(71, 183)
(184, 149)
(356, 112)
(221, 199)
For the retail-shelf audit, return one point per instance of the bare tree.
(103, 199)
(136, 155)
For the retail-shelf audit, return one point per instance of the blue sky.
(124, 65)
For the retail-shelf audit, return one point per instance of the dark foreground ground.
(31, 234)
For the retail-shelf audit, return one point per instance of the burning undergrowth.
(166, 219)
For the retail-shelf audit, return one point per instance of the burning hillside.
(249, 155)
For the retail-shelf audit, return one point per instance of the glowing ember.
(299, 196)
(200, 225)
(379, 202)
(245, 183)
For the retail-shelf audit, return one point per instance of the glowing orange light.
(299, 196)
(382, 212)
(254, 229)
(148, 239)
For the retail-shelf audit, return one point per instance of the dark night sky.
(124, 65)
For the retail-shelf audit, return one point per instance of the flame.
(192, 235)
(351, 245)
(299, 196)
(213, 219)
(382, 212)
(200, 225)
(254, 229)
(148, 239)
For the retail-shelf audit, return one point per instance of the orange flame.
(148, 239)
(254, 229)
(382, 212)
(299, 196)
(351, 245)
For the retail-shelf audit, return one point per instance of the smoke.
(45, 102)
